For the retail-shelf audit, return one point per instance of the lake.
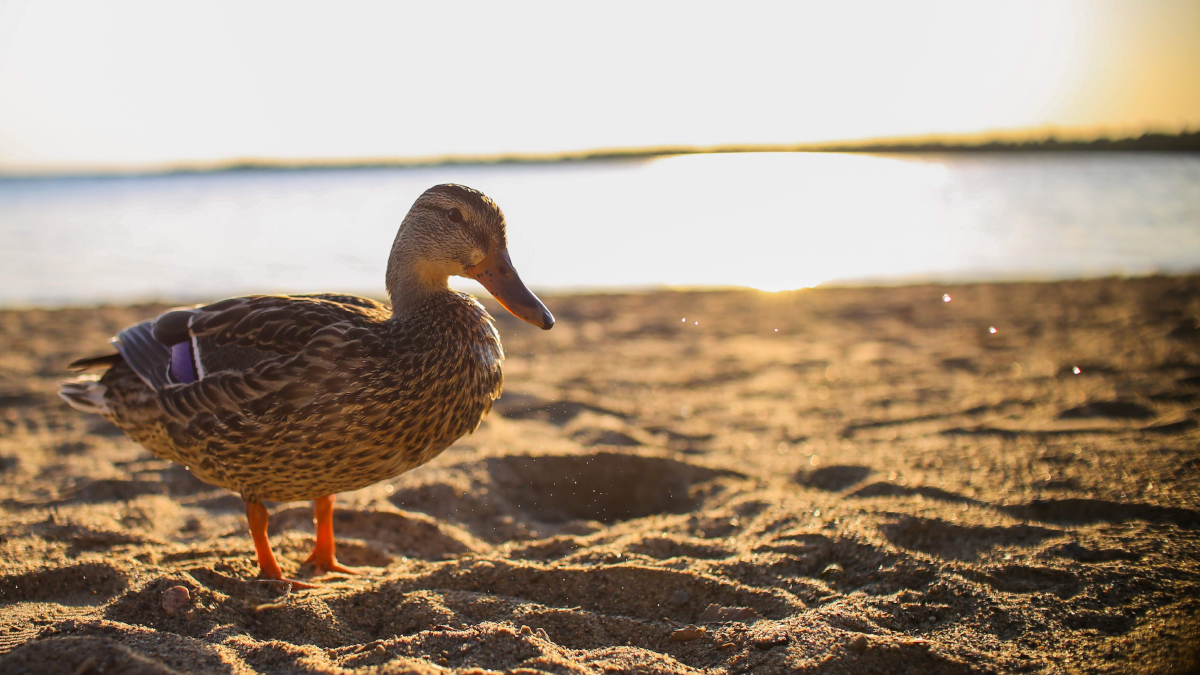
(765, 220)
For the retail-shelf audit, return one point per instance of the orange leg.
(257, 514)
(322, 558)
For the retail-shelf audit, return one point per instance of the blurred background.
(170, 151)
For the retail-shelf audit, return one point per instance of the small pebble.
(175, 599)
(718, 614)
(832, 570)
(687, 633)
(859, 644)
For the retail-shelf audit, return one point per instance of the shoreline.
(999, 279)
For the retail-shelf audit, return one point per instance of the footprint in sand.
(1087, 511)
(960, 542)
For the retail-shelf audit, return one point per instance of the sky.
(134, 85)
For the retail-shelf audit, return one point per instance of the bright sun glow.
(88, 84)
(811, 214)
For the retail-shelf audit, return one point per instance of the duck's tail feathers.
(106, 361)
(85, 393)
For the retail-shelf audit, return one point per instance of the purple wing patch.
(183, 369)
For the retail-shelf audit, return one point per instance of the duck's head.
(452, 230)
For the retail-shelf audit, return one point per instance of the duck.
(290, 398)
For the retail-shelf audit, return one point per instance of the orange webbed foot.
(322, 559)
(320, 564)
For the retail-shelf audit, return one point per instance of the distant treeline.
(1187, 141)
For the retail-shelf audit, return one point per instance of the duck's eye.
(455, 215)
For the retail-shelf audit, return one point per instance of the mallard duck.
(299, 397)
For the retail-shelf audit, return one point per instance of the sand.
(833, 480)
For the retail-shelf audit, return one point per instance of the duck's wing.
(186, 345)
(343, 299)
(148, 357)
(273, 323)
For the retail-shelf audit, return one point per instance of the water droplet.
(945, 297)
(1076, 370)
(992, 330)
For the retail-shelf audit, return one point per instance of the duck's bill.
(497, 274)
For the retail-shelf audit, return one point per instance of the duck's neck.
(413, 280)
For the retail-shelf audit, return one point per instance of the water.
(765, 220)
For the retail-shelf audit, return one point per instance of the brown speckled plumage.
(291, 398)
(356, 396)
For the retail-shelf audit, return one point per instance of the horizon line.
(1047, 140)
(914, 280)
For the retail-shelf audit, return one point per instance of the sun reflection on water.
(782, 221)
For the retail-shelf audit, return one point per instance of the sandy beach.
(857, 480)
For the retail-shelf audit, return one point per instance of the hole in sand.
(606, 487)
(960, 542)
(834, 478)
(556, 412)
(83, 584)
(1086, 511)
(592, 436)
(114, 490)
(885, 489)
(1125, 410)
(1028, 579)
